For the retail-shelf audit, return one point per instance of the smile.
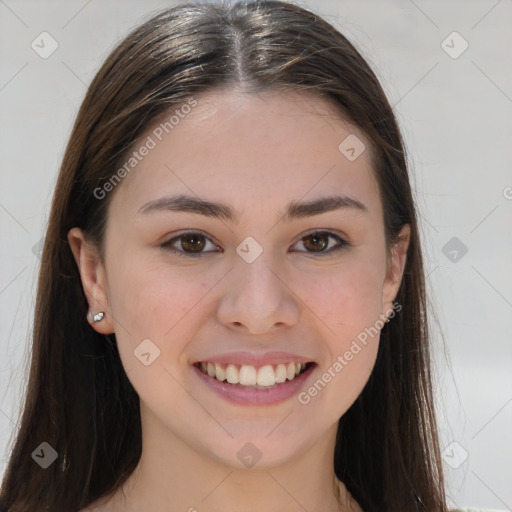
(254, 385)
(253, 377)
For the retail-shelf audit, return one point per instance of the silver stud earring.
(98, 317)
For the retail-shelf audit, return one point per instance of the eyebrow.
(293, 210)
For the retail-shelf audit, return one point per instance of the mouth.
(247, 376)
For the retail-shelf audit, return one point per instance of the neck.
(173, 476)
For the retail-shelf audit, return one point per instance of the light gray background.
(456, 117)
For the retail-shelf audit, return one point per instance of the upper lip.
(253, 359)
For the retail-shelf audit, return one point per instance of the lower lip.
(241, 395)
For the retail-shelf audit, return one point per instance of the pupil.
(315, 239)
(197, 243)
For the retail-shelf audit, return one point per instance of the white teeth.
(232, 374)
(280, 373)
(266, 376)
(220, 372)
(248, 375)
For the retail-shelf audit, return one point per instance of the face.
(282, 298)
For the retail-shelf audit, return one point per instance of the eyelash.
(168, 245)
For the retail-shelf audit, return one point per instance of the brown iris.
(319, 241)
(193, 242)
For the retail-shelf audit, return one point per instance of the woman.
(231, 304)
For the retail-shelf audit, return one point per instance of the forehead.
(250, 149)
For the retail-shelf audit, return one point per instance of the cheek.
(153, 302)
(347, 298)
(343, 379)
(348, 303)
(149, 297)
(157, 305)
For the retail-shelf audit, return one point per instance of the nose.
(258, 297)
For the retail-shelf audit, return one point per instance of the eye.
(318, 241)
(193, 242)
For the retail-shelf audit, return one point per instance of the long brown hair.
(79, 399)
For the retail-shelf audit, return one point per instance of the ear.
(395, 270)
(94, 281)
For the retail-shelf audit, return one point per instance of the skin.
(255, 153)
